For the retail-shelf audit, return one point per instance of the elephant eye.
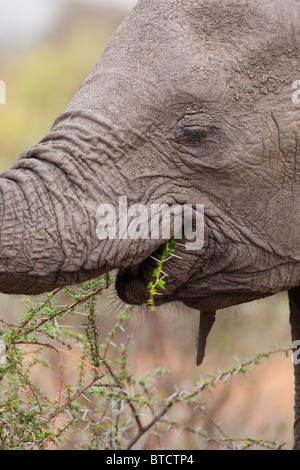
(191, 135)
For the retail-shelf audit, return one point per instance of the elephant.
(192, 102)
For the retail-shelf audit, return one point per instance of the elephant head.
(191, 102)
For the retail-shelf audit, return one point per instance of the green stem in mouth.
(158, 274)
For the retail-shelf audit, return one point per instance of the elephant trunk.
(50, 197)
(49, 204)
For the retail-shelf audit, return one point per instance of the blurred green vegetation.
(41, 82)
(112, 388)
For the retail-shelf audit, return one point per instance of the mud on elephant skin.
(190, 103)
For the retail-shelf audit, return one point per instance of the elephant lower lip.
(134, 292)
(132, 282)
(135, 271)
(130, 287)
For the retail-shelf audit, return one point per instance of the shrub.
(105, 406)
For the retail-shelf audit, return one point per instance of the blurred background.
(47, 48)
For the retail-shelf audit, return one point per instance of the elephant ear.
(207, 319)
(294, 301)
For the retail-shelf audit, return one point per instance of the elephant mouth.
(132, 282)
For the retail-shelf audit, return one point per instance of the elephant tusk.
(207, 319)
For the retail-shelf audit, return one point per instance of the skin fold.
(191, 102)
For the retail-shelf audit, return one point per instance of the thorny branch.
(112, 408)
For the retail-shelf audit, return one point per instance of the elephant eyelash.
(192, 135)
(195, 134)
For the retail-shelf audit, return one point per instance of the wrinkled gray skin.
(220, 66)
